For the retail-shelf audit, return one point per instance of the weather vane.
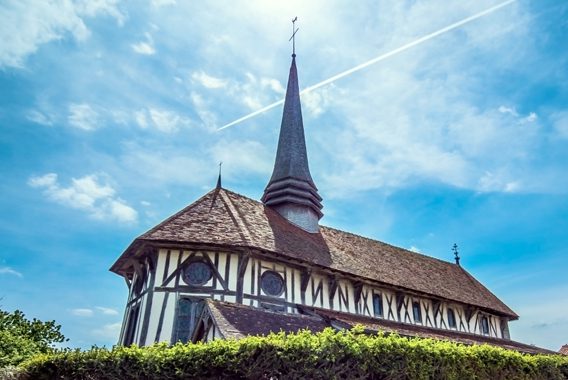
(293, 38)
(456, 253)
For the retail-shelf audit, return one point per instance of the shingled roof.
(223, 218)
(237, 321)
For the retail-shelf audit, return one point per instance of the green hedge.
(325, 355)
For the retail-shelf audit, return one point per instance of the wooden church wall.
(237, 278)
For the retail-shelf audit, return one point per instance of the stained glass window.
(188, 312)
(197, 273)
(272, 283)
(377, 305)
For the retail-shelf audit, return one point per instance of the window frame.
(196, 309)
(185, 270)
(272, 272)
(417, 312)
(484, 325)
(378, 296)
(451, 315)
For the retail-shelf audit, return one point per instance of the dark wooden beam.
(241, 269)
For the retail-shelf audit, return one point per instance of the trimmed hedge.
(325, 355)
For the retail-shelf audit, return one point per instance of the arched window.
(188, 312)
(417, 312)
(377, 305)
(451, 318)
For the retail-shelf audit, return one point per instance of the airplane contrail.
(376, 60)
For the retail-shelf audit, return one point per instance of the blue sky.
(109, 113)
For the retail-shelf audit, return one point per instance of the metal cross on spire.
(456, 253)
(293, 38)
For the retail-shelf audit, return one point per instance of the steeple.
(291, 190)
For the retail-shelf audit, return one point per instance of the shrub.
(324, 355)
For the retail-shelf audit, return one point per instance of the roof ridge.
(390, 245)
(360, 236)
(236, 218)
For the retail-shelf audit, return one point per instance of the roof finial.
(293, 38)
(456, 253)
(219, 178)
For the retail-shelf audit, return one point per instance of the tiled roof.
(405, 329)
(226, 219)
(237, 321)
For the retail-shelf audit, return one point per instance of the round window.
(272, 283)
(197, 273)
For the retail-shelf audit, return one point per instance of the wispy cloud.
(145, 47)
(82, 312)
(28, 24)
(208, 81)
(10, 271)
(107, 310)
(87, 194)
(166, 121)
(39, 117)
(83, 116)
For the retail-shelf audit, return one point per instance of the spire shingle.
(291, 190)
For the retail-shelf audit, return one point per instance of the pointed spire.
(219, 178)
(291, 190)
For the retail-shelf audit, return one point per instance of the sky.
(110, 114)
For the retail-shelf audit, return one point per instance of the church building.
(228, 266)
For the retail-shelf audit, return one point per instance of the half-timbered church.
(228, 266)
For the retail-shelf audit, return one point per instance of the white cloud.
(83, 116)
(208, 81)
(10, 271)
(140, 117)
(27, 24)
(530, 118)
(98, 200)
(414, 249)
(107, 310)
(39, 117)
(82, 312)
(316, 102)
(508, 110)
(273, 84)
(108, 331)
(166, 121)
(145, 47)
(491, 182)
(202, 109)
